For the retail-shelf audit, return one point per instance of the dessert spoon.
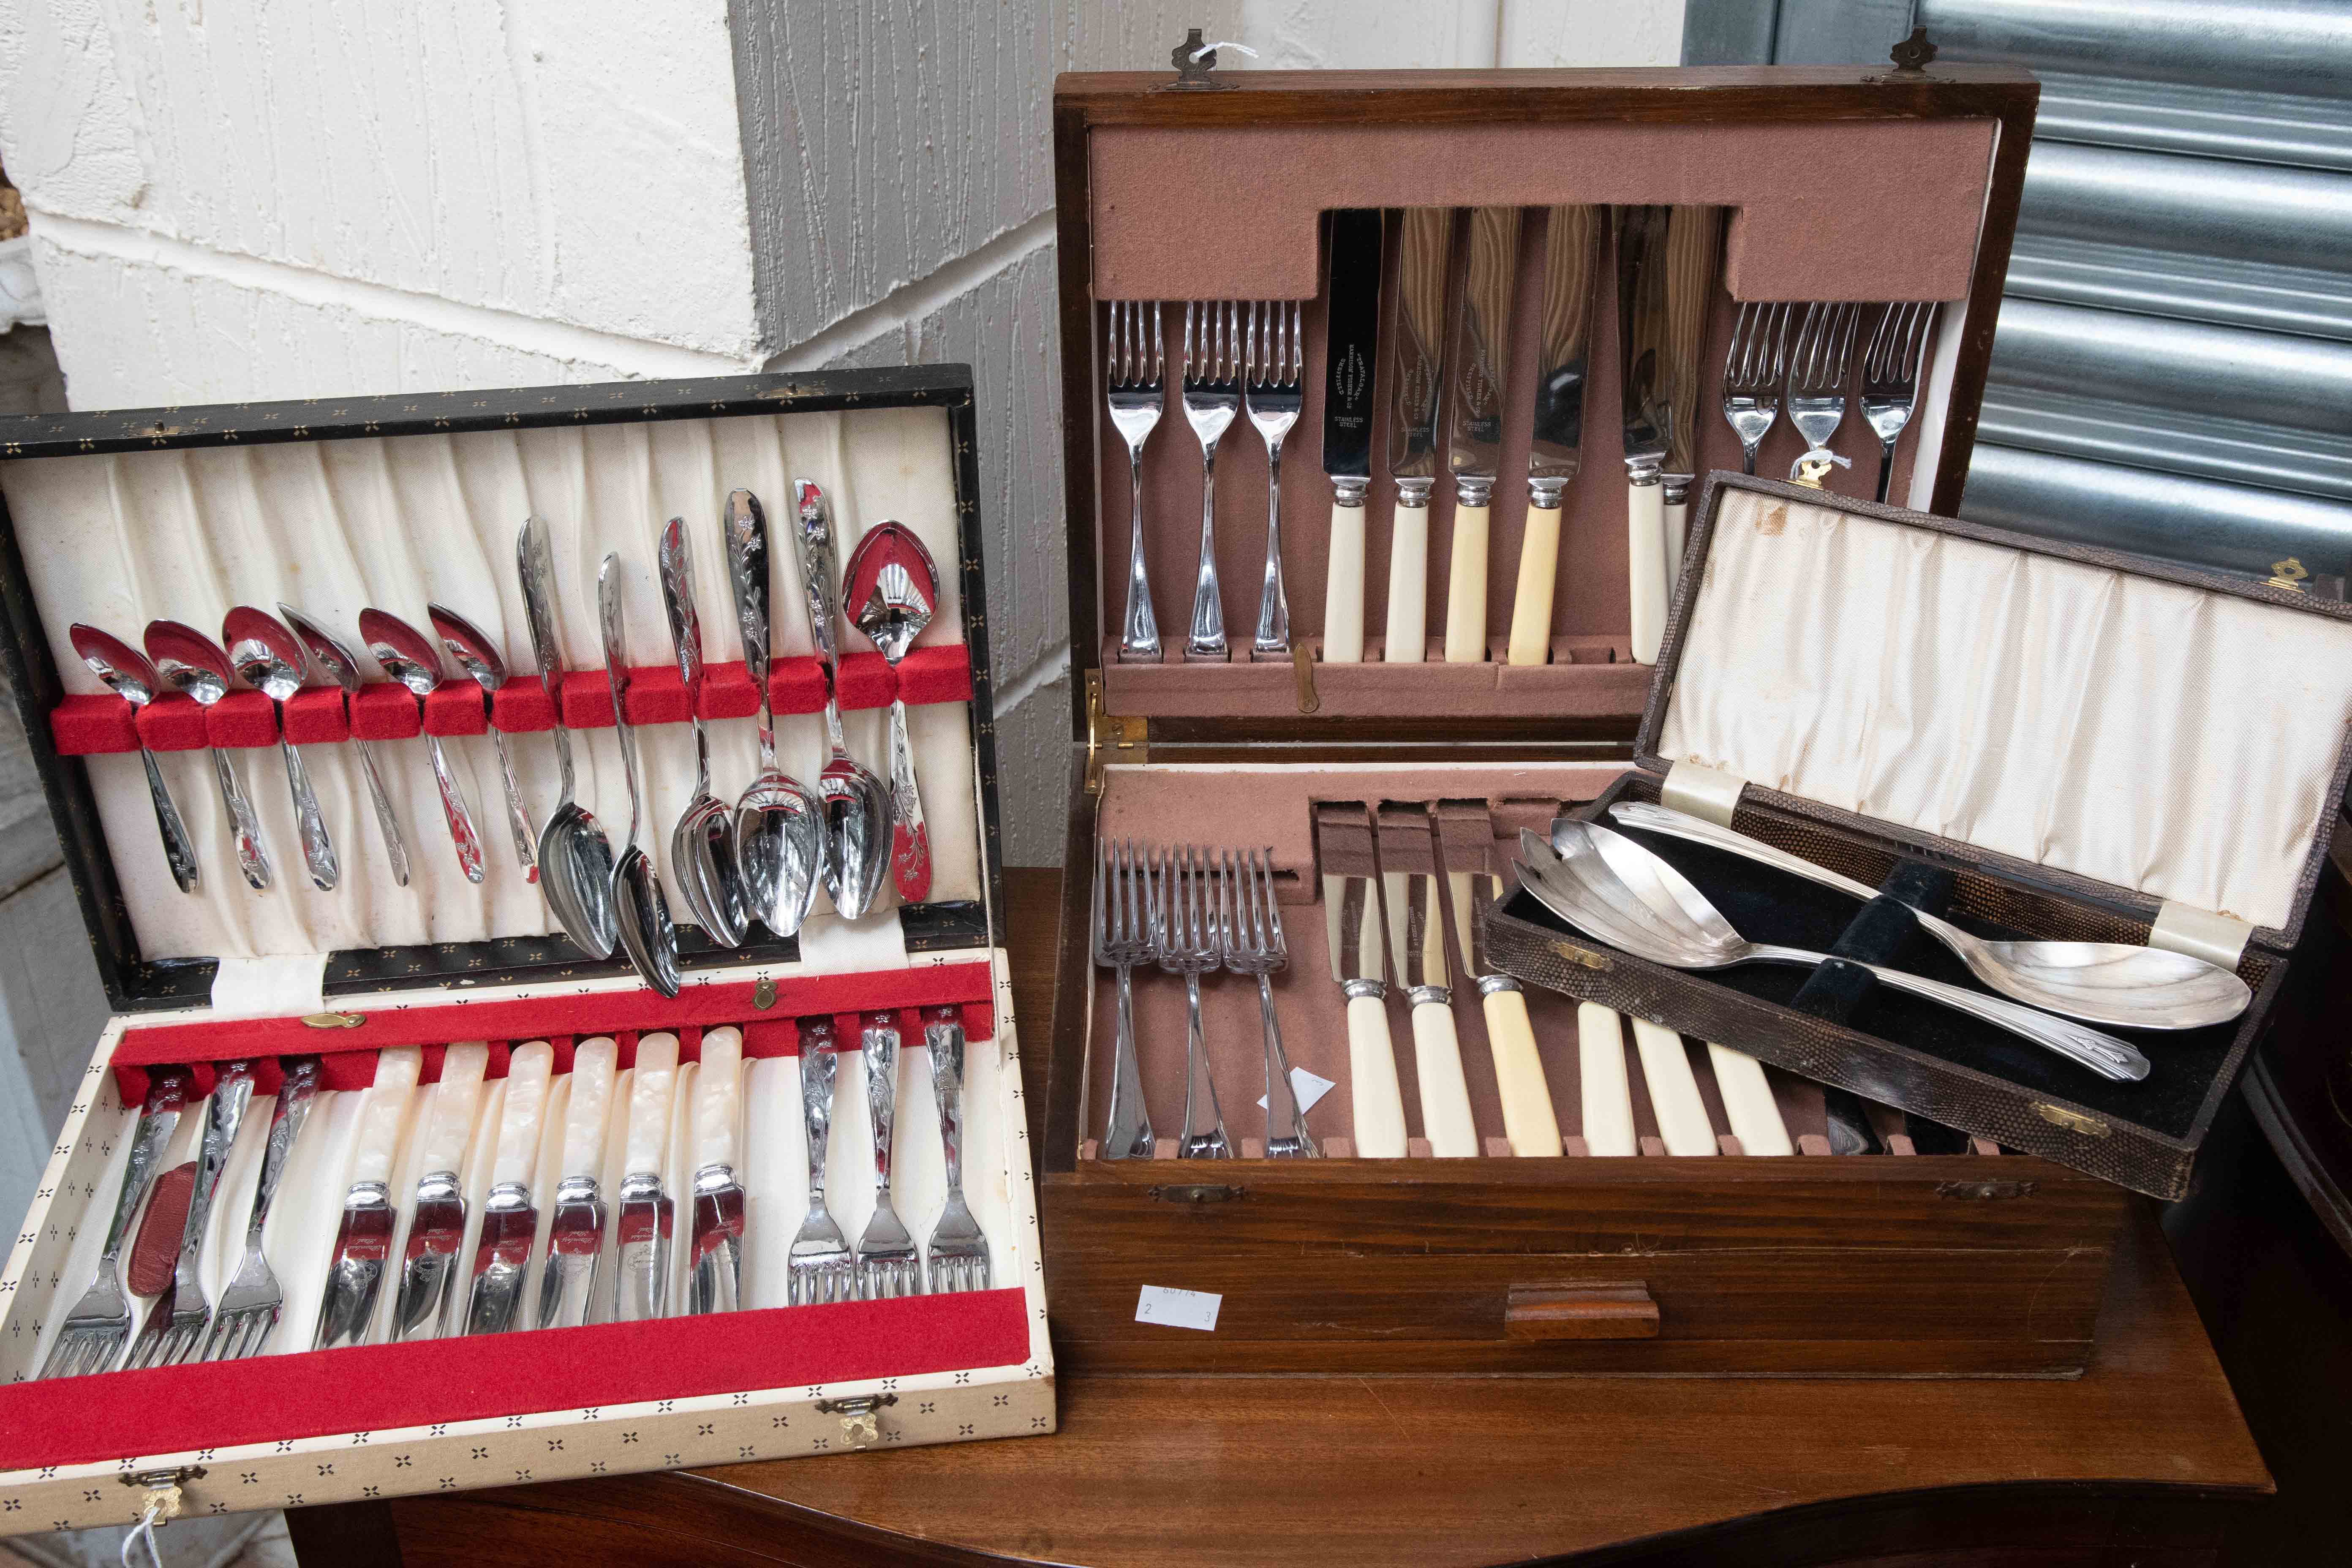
(574, 856)
(409, 657)
(479, 657)
(702, 845)
(194, 664)
(129, 676)
(266, 655)
(343, 667)
(646, 931)
(895, 585)
(779, 823)
(856, 806)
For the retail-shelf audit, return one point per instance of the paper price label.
(1306, 1089)
(1178, 1309)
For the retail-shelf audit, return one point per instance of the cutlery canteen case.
(332, 504)
(1844, 184)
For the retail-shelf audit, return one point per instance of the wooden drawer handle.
(1606, 1309)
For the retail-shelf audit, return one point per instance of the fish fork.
(818, 1267)
(1122, 941)
(959, 1249)
(1753, 370)
(1214, 351)
(1253, 945)
(1139, 394)
(1890, 377)
(251, 1301)
(98, 1326)
(887, 1264)
(1276, 358)
(1185, 941)
(175, 1321)
(1819, 361)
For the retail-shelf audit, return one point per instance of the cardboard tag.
(1306, 1089)
(1178, 1309)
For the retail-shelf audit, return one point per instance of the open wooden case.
(1717, 1259)
(374, 991)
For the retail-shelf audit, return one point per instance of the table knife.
(355, 1269)
(509, 1219)
(1357, 965)
(1572, 264)
(1417, 940)
(1606, 1097)
(714, 1284)
(1417, 371)
(1475, 451)
(1675, 1102)
(1748, 1102)
(575, 1237)
(1665, 268)
(642, 1229)
(436, 1228)
(1528, 1118)
(1351, 341)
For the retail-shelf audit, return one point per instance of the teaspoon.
(856, 805)
(779, 823)
(129, 676)
(895, 586)
(266, 655)
(409, 657)
(702, 847)
(646, 931)
(574, 856)
(343, 667)
(478, 655)
(195, 665)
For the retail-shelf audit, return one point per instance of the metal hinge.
(1110, 737)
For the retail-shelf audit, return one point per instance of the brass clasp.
(861, 1420)
(1110, 737)
(2072, 1120)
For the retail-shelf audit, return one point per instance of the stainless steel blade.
(1571, 265)
(575, 1240)
(1424, 938)
(436, 1231)
(1352, 344)
(642, 1235)
(502, 1258)
(355, 1269)
(1417, 356)
(1481, 352)
(716, 1283)
(1483, 888)
(1358, 956)
(1666, 261)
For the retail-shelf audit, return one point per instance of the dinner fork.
(1276, 358)
(1819, 360)
(175, 1321)
(251, 1301)
(1139, 392)
(887, 1264)
(1185, 941)
(1753, 370)
(1214, 351)
(99, 1325)
(959, 1250)
(1122, 941)
(1890, 377)
(818, 1268)
(1253, 945)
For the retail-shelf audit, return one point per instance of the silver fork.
(1753, 369)
(1212, 395)
(817, 1269)
(1819, 361)
(1122, 941)
(251, 1301)
(1276, 356)
(887, 1264)
(1185, 939)
(1890, 377)
(1138, 392)
(1254, 945)
(99, 1325)
(175, 1321)
(959, 1250)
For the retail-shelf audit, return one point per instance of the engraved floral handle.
(251, 858)
(179, 849)
(317, 850)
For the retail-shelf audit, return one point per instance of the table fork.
(1890, 377)
(1276, 358)
(176, 1321)
(818, 1267)
(887, 1264)
(99, 1325)
(1214, 351)
(1122, 941)
(1753, 370)
(251, 1301)
(1253, 945)
(1819, 360)
(1139, 392)
(1185, 939)
(959, 1250)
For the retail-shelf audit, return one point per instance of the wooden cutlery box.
(1847, 184)
(375, 991)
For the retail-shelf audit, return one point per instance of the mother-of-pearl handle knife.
(643, 1226)
(576, 1239)
(510, 1218)
(437, 1226)
(355, 1270)
(714, 1282)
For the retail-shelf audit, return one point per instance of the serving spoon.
(270, 658)
(702, 845)
(479, 657)
(895, 586)
(856, 805)
(129, 676)
(574, 856)
(779, 823)
(409, 657)
(646, 931)
(194, 664)
(1623, 893)
(2115, 983)
(343, 667)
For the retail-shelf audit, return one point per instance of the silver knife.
(1481, 377)
(437, 1226)
(575, 1237)
(716, 1283)
(642, 1228)
(1666, 266)
(1417, 368)
(1417, 939)
(1572, 264)
(1351, 342)
(355, 1269)
(509, 1219)
(1352, 923)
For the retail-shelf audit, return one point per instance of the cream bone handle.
(1465, 588)
(1748, 1102)
(456, 1100)
(1407, 628)
(1608, 1101)
(1682, 1125)
(585, 1112)
(718, 1099)
(1378, 1100)
(1539, 575)
(528, 1072)
(377, 1137)
(651, 1084)
(1646, 567)
(1444, 1093)
(1343, 588)
(1677, 529)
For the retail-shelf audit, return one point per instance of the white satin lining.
(2140, 732)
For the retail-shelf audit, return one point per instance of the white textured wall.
(1362, 35)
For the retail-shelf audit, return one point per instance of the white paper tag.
(1306, 1089)
(1178, 1309)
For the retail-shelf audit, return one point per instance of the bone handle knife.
(1645, 566)
(584, 1113)
(1372, 1069)
(718, 1099)
(1678, 523)
(650, 1087)
(1608, 1101)
(1465, 588)
(1539, 574)
(520, 1119)
(376, 1138)
(1343, 590)
(1444, 1093)
(1748, 1102)
(1407, 640)
(1682, 1126)
(455, 1100)
(1528, 1118)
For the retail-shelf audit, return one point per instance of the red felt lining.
(457, 708)
(172, 722)
(385, 712)
(315, 716)
(383, 1388)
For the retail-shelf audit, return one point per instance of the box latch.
(1696, 791)
(2201, 934)
(861, 1417)
(1110, 737)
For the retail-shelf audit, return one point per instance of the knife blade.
(1556, 454)
(575, 1237)
(509, 1219)
(716, 1282)
(437, 1226)
(1417, 938)
(642, 1229)
(1352, 923)
(355, 1267)
(1528, 1120)
(1352, 344)
(1481, 378)
(1665, 264)
(1416, 374)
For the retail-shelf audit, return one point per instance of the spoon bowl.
(779, 823)
(894, 584)
(646, 928)
(575, 858)
(409, 657)
(479, 657)
(195, 665)
(127, 674)
(857, 806)
(271, 658)
(702, 845)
